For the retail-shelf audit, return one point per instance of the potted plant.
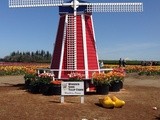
(40, 83)
(75, 76)
(101, 82)
(44, 80)
(28, 78)
(117, 78)
(56, 87)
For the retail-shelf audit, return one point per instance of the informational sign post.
(72, 88)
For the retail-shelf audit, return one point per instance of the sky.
(131, 36)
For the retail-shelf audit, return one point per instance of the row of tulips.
(141, 70)
(23, 68)
(20, 68)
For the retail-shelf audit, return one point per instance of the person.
(120, 62)
(101, 64)
(124, 62)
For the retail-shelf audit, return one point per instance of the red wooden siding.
(80, 50)
(91, 48)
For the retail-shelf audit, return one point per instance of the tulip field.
(22, 68)
(141, 70)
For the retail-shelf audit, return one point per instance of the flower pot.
(47, 90)
(121, 84)
(27, 84)
(102, 89)
(56, 90)
(115, 85)
(34, 89)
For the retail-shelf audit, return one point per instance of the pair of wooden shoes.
(112, 102)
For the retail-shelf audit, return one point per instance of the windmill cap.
(69, 9)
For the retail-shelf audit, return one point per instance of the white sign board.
(72, 88)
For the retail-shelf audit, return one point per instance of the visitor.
(120, 62)
(101, 64)
(124, 62)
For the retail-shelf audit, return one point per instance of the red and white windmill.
(75, 49)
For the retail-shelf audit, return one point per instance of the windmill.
(75, 49)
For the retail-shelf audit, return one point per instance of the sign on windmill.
(75, 48)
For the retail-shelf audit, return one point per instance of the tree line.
(37, 56)
(132, 62)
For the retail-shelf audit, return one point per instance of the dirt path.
(136, 80)
(11, 80)
(141, 94)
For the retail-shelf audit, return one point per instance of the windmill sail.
(114, 7)
(34, 3)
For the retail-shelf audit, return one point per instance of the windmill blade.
(115, 7)
(34, 3)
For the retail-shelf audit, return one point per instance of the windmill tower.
(74, 48)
